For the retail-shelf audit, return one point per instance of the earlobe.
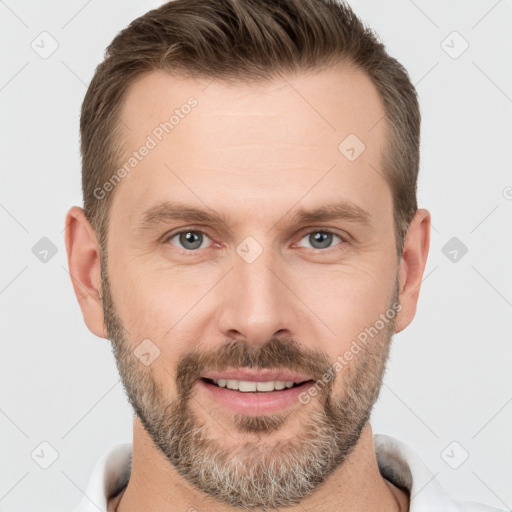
(84, 268)
(412, 267)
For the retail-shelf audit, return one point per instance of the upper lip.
(264, 375)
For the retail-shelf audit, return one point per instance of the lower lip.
(254, 403)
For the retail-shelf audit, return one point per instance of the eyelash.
(193, 252)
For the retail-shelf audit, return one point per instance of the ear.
(412, 266)
(84, 268)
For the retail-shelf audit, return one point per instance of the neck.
(356, 485)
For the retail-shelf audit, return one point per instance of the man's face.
(262, 291)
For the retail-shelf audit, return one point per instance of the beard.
(254, 473)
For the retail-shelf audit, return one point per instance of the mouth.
(247, 386)
(254, 393)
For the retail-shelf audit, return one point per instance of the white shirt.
(397, 463)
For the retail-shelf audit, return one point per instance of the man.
(281, 142)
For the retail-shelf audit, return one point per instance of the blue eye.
(192, 240)
(321, 239)
(189, 240)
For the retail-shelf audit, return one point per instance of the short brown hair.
(246, 40)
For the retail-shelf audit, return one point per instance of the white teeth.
(232, 384)
(265, 386)
(246, 386)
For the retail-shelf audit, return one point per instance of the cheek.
(346, 299)
(160, 302)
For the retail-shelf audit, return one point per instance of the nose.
(256, 303)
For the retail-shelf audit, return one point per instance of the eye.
(189, 239)
(320, 239)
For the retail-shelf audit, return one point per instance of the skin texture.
(255, 153)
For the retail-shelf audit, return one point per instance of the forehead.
(333, 101)
(261, 142)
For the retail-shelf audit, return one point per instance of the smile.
(246, 386)
(254, 397)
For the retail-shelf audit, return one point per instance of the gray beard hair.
(253, 474)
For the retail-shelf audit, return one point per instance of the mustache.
(276, 353)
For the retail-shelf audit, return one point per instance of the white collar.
(397, 463)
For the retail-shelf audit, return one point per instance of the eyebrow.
(169, 211)
(336, 211)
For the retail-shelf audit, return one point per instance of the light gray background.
(449, 377)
